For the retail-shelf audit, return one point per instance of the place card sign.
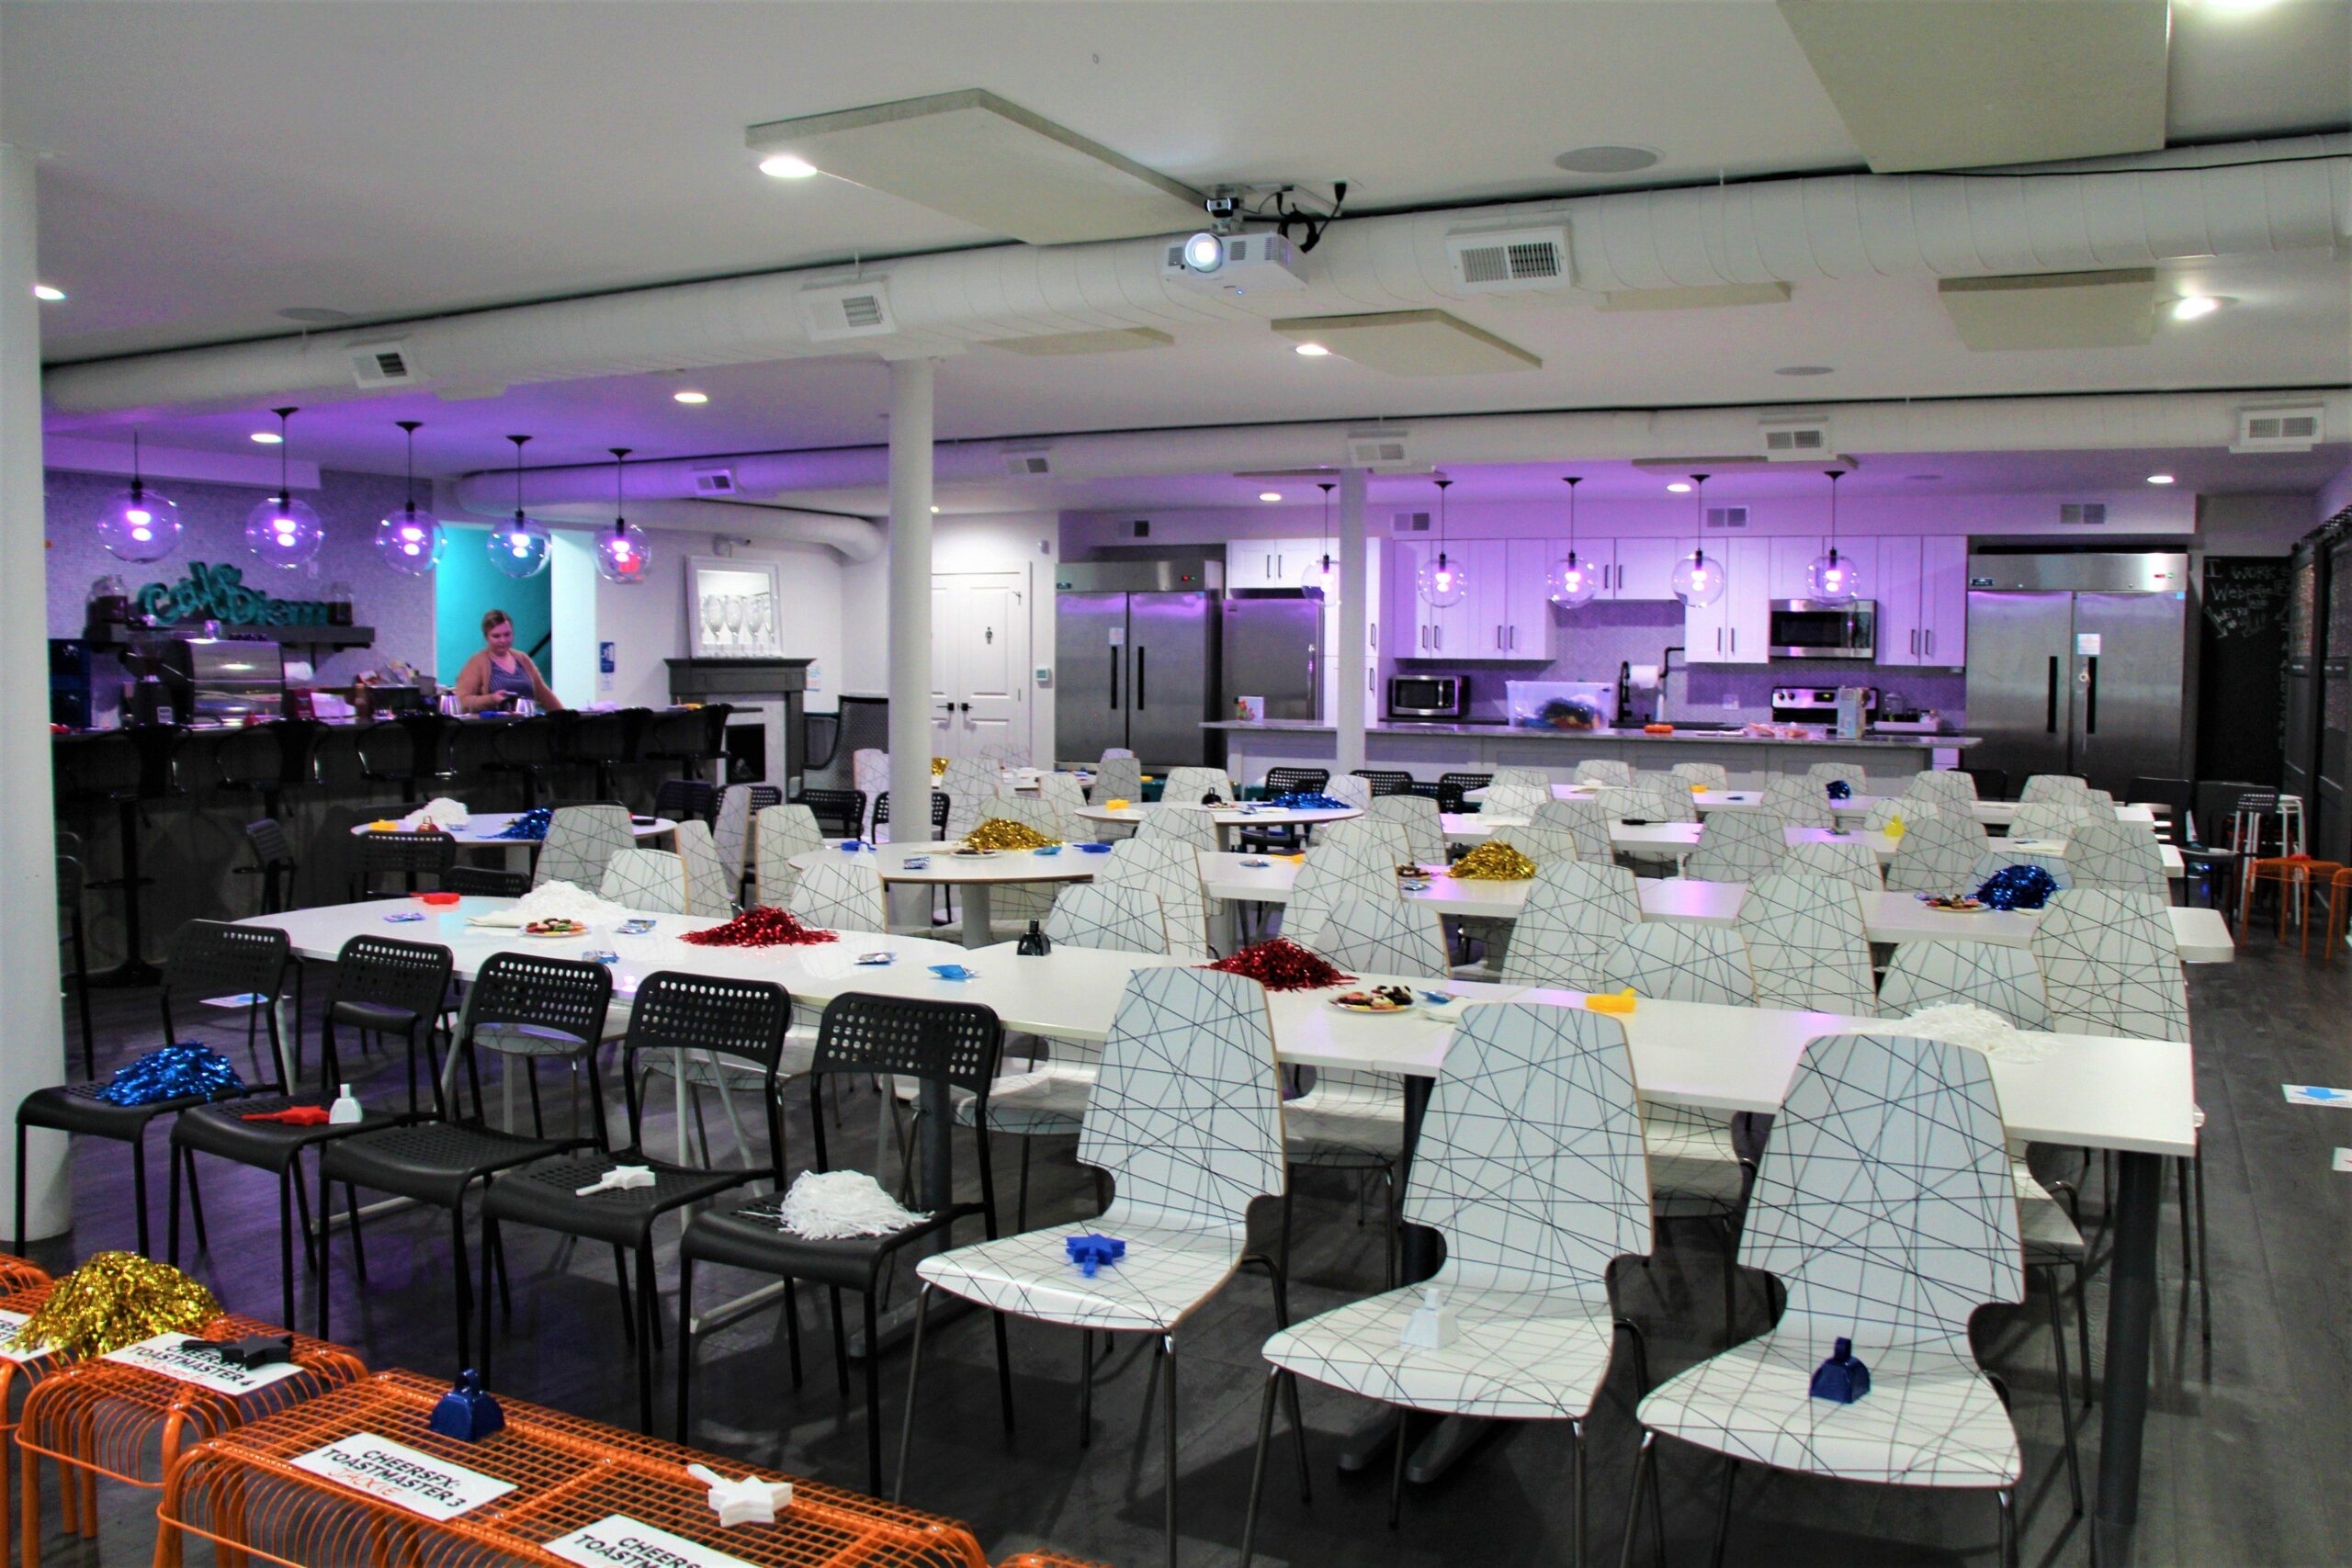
(12, 1324)
(218, 594)
(162, 1355)
(405, 1477)
(620, 1542)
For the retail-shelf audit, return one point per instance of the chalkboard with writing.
(2245, 596)
(2241, 667)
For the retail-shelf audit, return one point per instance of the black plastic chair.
(108, 768)
(1281, 782)
(690, 737)
(73, 934)
(954, 1045)
(684, 800)
(1386, 781)
(1992, 783)
(527, 1008)
(273, 863)
(701, 1016)
(384, 856)
(485, 882)
(938, 814)
(1451, 787)
(840, 813)
(211, 962)
(382, 988)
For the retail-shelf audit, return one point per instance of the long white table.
(1671, 840)
(974, 874)
(1228, 818)
(483, 830)
(2200, 934)
(1991, 812)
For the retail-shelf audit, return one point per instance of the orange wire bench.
(243, 1491)
(98, 1417)
(28, 1287)
(2296, 875)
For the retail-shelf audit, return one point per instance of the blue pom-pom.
(466, 1412)
(2018, 887)
(174, 1072)
(1841, 1377)
(531, 824)
(1307, 801)
(1091, 1252)
(1840, 790)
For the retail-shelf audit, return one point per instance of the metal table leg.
(974, 897)
(2131, 1311)
(934, 1190)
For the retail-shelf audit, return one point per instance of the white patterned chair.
(730, 835)
(580, 839)
(2104, 852)
(1935, 855)
(1635, 803)
(1824, 774)
(1186, 1116)
(1062, 794)
(1012, 905)
(1847, 860)
(1798, 801)
(1116, 753)
(1117, 920)
(2050, 819)
(1702, 775)
(1116, 778)
(1574, 913)
(653, 881)
(1418, 815)
(2052, 787)
(1514, 799)
(1169, 870)
(1807, 946)
(1186, 786)
(970, 784)
(778, 833)
(1885, 1208)
(1530, 1165)
(1737, 846)
(841, 895)
(1357, 866)
(1183, 823)
(1944, 788)
(710, 890)
(869, 774)
(1525, 778)
(1370, 836)
(1541, 843)
(1910, 807)
(1351, 790)
(1602, 771)
(1585, 820)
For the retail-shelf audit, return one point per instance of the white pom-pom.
(830, 1205)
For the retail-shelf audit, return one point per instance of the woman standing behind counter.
(502, 673)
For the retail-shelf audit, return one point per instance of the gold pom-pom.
(939, 767)
(997, 834)
(117, 1299)
(1492, 861)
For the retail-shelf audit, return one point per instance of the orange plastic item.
(2294, 875)
(242, 1491)
(435, 897)
(1047, 1560)
(1601, 1001)
(101, 1417)
(1657, 729)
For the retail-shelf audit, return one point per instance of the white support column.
(1350, 694)
(33, 1038)
(910, 470)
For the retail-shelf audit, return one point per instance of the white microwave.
(1428, 696)
(1809, 628)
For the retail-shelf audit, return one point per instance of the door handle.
(2050, 719)
(1139, 653)
(2090, 695)
(1514, 639)
(1115, 679)
(1931, 642)
(1735, 639)
(1438, 632)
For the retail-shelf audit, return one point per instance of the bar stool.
(432, 738)
(598, 742)
(526, 748)
(2294, 874)
(109, 768)
(387, 756)
(252, 758)
(689, 738)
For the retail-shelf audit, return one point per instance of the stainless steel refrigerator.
(1273, 650)
(2082, 664)
(1135, 660)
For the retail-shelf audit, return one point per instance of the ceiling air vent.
(1409, 523)
(2278, 429)
(847, 309)
(2082, 514)
(1510, 259)
(1031, 465)
(1726, 517)
(1797, 441)
(375, 365)
(713, 481)
(1379, 449)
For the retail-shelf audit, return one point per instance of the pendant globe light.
(518, 546)
(409, 538)
(1697, 580)
(139, 524)
(1322, 573)
(1831, 577)
(622, 554)
(1571, 583)
(1440, 581)
(282, 530)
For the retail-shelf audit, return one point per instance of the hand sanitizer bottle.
(1433, 1325)
(346, 1110)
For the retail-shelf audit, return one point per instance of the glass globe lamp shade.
(1571, 581)
(1698, 579)
(284, 532)
(410, 541)
(1832, 579)
(622, 554)
(1322, 575)
(139, 525)
(1440, 581)
(518, 546)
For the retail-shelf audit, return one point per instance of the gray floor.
(2246, 1456)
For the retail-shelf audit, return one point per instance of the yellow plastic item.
(385, 826)
(1698, 789)
(1114, 806)
(1299, 859)
(1895, 828)
(1600, 1001)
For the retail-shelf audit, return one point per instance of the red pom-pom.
(1281, 965)
(762, 927)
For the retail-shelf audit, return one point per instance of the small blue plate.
(955, 972)
(1094, 849)
(1048, 850)
(851, 846)
(402, 918)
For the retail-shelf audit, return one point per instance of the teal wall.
(464, 585)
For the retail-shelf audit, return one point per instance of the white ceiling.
(209, 164)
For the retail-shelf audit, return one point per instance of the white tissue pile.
(1979, 1029)
(830, 1205)
(564, 901)
(439, 812)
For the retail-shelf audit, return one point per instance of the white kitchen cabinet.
(1793, 555)
(1736, 628)
(1271, 563)
(1434, 634)
(1523, 600)
(1897, 592)
(1641, 568)
(1923, 600)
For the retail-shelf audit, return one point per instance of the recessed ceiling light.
(786, 166)
(48, 293)
(1312, 350)
(2194, 306)
(267, 437)
(314, 315)
(1678, 488)
(1805, 370)
(1270, 495)
(690, 397)
(2160, 478)
(1606, 158)
(935, 512)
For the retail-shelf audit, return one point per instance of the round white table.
(1227, 817)
(974, 874)
(483, 829)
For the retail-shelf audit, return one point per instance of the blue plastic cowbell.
(1841, 1377)
(466, 1412)
(1091, 1252)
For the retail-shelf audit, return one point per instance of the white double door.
(979, 663)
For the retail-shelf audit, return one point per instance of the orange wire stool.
(19, 1273)
(2296, 873)
(2339, 888)
(242, 1491)
(99, 1417)
(21, 1301)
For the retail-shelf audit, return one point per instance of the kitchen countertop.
(1508, 732)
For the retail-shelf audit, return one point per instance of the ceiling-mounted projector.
(1232, 264)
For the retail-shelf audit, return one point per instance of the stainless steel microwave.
(1428, 696)
(1809, 628)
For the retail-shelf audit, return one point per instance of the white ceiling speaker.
(1796, 439)
(835, 310)
(1232, 264)
(713, 481)
(1033, 463)
(2295, 428)
(379, 365)
(1498, 261)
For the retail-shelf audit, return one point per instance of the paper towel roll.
(1642, 677)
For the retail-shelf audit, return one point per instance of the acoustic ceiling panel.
(2054, 310)
(1111, 340)
(1410, 343)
